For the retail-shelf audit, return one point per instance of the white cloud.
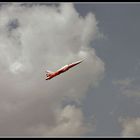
(130, 127)
(132, 92)
(36, 38)
(128, 87)
(124, 83)
(69, 122)
(15, 67)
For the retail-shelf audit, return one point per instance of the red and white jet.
(51, 74)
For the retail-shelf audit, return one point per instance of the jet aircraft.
(51, 74)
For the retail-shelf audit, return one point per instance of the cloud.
(123, 83)
(39, 37)
(130, 126)
(132, 92)
(128, 87)
(70, 122)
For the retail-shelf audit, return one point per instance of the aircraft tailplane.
(48, 73)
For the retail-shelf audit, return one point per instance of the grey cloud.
(128, 87)
(130, 126)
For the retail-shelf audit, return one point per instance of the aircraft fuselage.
(63, 69)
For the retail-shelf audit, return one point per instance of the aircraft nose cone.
(81, 61)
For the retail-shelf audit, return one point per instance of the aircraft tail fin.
(48, 73)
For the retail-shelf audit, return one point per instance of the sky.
(99, 97)
(116, 100)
